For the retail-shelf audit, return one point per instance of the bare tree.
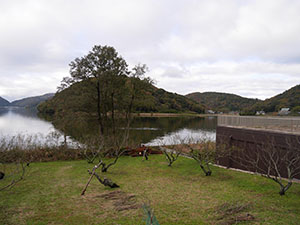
(172, 150)
(105, 181)
(15, 174)
(105, 151)
(273, 160)
(171, 154)
(203, 150)
(91, 177)
(13, 164)
(116, 154)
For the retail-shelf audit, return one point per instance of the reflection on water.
(168, 129)
(23, 126)
(183, 135)
(147, 130)
(14, 121)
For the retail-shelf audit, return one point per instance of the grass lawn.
(50, 194)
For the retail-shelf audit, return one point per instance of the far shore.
(171, 114)
(207, 115)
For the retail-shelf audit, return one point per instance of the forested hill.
(81, 98)
(222, 102)
(4, 102)
(288, 99)
(32, 102)
(164, 101)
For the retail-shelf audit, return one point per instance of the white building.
(260, 113)
(284, 111)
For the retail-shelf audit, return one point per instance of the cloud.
(252, 79)
(232, 46)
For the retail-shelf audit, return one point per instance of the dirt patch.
(8, 215)
(5, 214)
(121, 201)
(62, 170)
(232, 213)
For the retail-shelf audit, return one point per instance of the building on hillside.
(260, 113)
(284, 111)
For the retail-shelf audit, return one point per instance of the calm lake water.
(147, 130)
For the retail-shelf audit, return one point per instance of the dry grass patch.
(232, 213)
(121, 201)
(108, 204)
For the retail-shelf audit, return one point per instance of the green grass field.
(50, 194)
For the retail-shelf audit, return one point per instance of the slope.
(288, 99)
(4, 102)
(222, 102)
(80, 98)
(32, 102)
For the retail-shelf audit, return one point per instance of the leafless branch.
(19, 173)
(272, 158)
(172, 151)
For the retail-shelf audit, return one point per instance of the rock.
(2, 175)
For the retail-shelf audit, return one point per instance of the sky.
(246, 47)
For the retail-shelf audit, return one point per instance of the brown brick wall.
(249, 141)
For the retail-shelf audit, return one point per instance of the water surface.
(146, 130)
(15, 121)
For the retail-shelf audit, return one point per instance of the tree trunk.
(283, 188)
(113, 114)
(105, 167)
(92, 174)
(105, 181)
(99, 109)
(207, 172)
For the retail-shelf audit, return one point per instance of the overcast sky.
(250, 48)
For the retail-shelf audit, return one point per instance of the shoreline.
(172, 115)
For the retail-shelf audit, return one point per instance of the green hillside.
(32, 102)
(288, 99)
(222, 102)
(4, 102)
(81, 98)
(164, 101)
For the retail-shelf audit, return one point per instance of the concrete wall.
(288, 124)
(247, 142)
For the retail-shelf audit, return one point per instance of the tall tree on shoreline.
(105, 68)
(115, 90)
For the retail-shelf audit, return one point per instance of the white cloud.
(232, 46)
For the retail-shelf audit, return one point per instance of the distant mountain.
(32, 102)
(288, 99)
(4, 102)
(222, 102)
(80, 98)
(229, 102)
